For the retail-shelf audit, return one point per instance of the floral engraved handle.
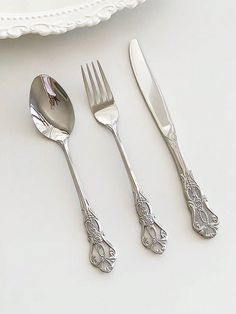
(153, 236)
(204, 221)
(102, 254)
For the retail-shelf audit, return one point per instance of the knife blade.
(150, 90)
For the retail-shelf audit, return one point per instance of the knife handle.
(153, 236)
(204, 221)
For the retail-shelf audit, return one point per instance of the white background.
(44, 268)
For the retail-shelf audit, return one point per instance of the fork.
(105, 111)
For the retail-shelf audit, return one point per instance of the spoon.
(53, 115)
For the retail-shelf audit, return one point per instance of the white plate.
(18, 17)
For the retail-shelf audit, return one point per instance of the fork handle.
(153, 235)
(204, 221)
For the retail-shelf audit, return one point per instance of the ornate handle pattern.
(102, 254)
(204, 221)
(153, 236)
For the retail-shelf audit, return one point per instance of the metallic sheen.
(204, 221)
(105, 111)
(53, 115)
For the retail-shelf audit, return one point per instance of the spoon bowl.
(51, 108)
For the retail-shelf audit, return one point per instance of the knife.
(204, 221)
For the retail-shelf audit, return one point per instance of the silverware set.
(53, 115)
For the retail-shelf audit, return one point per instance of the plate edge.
(46, 23)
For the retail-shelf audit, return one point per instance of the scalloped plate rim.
(61, 20)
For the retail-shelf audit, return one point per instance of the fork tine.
(108, 89)
(95, 93)
(101, 89)
(88, 91)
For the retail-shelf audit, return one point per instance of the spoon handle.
(102, 254)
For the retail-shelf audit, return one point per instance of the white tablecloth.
(44, 268)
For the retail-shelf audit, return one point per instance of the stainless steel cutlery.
(204, 221)
(53, 115)
(105, 111)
